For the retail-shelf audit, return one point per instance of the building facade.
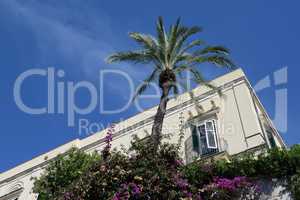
(211, 124)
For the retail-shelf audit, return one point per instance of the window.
(271, 139)
(204, 136)
(195, 138)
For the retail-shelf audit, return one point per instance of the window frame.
(203, 122)
(213, 122)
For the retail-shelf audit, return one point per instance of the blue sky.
(76, 36)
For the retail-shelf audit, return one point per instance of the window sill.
(221, 155)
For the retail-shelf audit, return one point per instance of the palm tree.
(171, 53)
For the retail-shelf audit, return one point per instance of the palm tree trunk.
(159, 117)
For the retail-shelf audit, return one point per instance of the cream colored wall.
(236, 118)
(237, 121)
(25, 182)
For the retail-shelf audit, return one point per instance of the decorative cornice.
(12, 194)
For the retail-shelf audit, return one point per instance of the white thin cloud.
(78, 34)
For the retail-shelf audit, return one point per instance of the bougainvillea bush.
(139, 173)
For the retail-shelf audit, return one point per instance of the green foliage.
(280, 164)
(138, 167)
(294, 185)
(199, 174)
(139, 173)
(62, 172)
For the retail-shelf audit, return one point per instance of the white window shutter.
(211, 138)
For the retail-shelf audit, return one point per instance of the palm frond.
(149, 43)
(173, 37)
(146, 41)
(161, 33)
(181, 55)
(213, 49)
(184, 57)
(218, 60)
(181, 68)
(130, 56)
(185, 33)
(194, 43)
(200, 79)
(175, 90)
(182, 35)
(145, 84)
